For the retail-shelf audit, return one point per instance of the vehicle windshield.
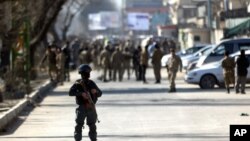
(191, 50)
(207, 51)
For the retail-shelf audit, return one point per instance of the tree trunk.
(48, 19)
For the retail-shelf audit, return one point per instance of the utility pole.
(210, 26)
(226, 5)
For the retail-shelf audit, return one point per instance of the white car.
(183, 53)
(209, 75)
(187, 60)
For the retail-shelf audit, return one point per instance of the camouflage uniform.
(105, 63)
(173, 63)
(116, 61)
(144, 63)
(85, 56)
(228, 66)
(156, 62)
(94, 57)
(51, 57)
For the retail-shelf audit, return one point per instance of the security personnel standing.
(126, 61)
(156, 61)
(136, 63)
(116, 63)
(105, 62)
(228, 66)
(242, 65)
(173, 64)
(60, 63)
(86, 93)
(144, 62)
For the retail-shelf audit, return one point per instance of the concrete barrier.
(12, 113)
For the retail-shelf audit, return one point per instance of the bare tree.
(72, 8)
(47, 19)
(36, 16)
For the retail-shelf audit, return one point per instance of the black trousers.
(90, 115)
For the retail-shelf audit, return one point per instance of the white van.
(217, 53)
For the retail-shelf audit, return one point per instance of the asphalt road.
(132, 111)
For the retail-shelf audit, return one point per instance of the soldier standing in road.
(116, 64)
(94, 56)
(144, 62)
(66, 52)
(86, 93)
(173, 64)
(156, 62)
(85, 56)
(105, 62)
(136, 63)
(242, 64)
(228, 66)
(126, 61)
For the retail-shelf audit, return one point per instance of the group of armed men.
(228, 64)
(114, 59)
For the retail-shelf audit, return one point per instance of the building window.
(197, 38)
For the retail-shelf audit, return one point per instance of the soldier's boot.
(243, 92)
(78, 132)
(92, 132)
(172, 90)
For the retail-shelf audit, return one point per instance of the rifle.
(90, 100)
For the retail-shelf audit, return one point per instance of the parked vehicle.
(188, 59)
(217, 53)
(209, 75)
(183, 53)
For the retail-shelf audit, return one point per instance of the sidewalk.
(15, 107)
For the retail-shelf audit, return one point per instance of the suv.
(217, 53)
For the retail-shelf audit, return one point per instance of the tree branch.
(50, 18)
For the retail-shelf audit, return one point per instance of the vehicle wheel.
(207, 82)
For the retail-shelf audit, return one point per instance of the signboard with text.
(138, 21)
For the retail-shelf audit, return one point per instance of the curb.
(12, 113)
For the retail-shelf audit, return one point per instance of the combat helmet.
(84, 68)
